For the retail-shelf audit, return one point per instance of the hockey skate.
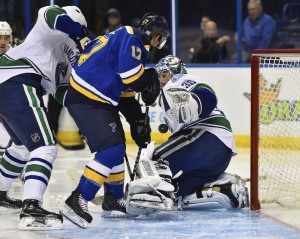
(76, 210)
(8, 204)
(34, 217)
(113, 207)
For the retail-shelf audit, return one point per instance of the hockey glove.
(152, 91)
(140, 131)
(85, 38)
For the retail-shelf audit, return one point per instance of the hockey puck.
(163, 128)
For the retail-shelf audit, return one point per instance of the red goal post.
(275, 86)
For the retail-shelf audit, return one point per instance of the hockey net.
(275, 128)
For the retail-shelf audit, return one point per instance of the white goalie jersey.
(45, 51)
(181, 109)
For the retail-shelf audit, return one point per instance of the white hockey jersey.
(178, 90)
(45, 51)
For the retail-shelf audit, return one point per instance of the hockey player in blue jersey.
(38, 66)
(103, 81)
(196, 155)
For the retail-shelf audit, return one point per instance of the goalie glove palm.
(184, 106)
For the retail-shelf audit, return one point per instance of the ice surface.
(178, 224)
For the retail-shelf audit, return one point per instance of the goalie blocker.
(152, 190)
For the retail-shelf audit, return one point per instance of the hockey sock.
(115, 182)
(12, 163)
(38, 172)
(97, 171)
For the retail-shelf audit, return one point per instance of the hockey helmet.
(172, 64)
(152, 25)
(5, 29)
(75, 14)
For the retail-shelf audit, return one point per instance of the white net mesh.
(279, 130)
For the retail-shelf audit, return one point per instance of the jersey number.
(101, 42)
(136, 52)
(188, 83)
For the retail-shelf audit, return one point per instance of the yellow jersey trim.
(86, 92)
(134, 77)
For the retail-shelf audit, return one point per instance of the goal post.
(275, 127)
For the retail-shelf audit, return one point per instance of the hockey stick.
(132, 175)
(128, 167)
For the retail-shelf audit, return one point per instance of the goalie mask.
(152, 25)
(169, 66)
(75, 14)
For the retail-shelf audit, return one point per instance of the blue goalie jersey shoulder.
(108, 63)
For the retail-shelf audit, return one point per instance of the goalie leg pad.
(148, 203)
(148, 169)
(144, 185)
(211, 200)
(230, 196)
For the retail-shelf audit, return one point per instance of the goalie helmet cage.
(275, 127)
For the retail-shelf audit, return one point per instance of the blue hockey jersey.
(109, 63)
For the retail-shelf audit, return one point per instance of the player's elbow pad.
(66, 25)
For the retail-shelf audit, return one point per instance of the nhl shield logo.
(113, 126)
(35, 137)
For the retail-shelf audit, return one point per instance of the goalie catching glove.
(180, 105)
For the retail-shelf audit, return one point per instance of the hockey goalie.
(188, 170)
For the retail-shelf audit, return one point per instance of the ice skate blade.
(39, 224)
(116, 214)
(71, 216)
